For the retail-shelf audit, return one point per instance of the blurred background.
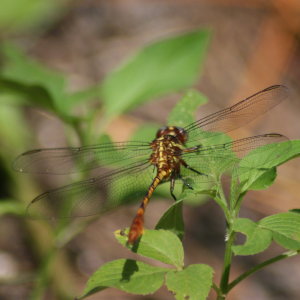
(254, 44)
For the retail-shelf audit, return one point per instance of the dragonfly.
(175, 155)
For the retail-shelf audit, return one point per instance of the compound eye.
(182, 134)
(161, 131)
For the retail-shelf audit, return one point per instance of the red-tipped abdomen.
(137, 227)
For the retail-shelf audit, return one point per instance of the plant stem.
(227, 264)
(217, 290)
(221, 201)
(260, 266)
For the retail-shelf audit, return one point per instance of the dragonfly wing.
(70, 160)
(238, 114)
(256, 152)
(93, 196)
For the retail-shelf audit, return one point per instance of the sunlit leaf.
(161, 245)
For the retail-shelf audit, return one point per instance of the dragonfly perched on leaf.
(175, 155)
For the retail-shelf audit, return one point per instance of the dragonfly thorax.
(179, 133)
(166, 154)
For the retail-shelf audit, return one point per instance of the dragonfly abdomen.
(165, 157)
(137, 225)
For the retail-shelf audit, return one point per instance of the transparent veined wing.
(95, 195)
(236, 115)
(72, 159)
(256, 152)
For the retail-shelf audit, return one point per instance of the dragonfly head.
(178, 132)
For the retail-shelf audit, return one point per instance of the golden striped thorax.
(167, 148)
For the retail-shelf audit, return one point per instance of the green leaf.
(285, 228)
(192, 283)
(160, 68)
(161, 245)
(286, 242)
(258, 239)
(260, 162)
(184, 111)
(264, 181)
(127, 275)
(28, 74)
(172, 220)
(268, 156)
(293, 151)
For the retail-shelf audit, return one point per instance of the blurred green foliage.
(18, 16)
(163, 67)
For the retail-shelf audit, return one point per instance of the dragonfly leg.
(172, 186)
(192, 169)
(186, 183)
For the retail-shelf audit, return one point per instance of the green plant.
(165, 243)
(159, 69)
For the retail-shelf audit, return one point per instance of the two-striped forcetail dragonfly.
(177, 155)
